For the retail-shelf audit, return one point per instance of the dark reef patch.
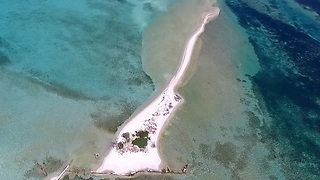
(254, 121)
(4, 60)
(42, 169)
(289, 84)
(226, 153)
(111, 123)
(207, 151)
(57, 88)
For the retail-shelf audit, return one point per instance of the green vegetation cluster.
(141, 139)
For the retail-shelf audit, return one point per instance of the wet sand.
(217, 130)
(180, 72)
(152, 119)
(165, 39)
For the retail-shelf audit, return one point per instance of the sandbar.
(135, 147)
(125, 156)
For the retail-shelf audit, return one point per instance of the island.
(136, 146)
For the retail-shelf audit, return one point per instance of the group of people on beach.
(151, 125)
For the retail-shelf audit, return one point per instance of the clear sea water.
(289, 80)
(253, 108)
(72, 71)
(70, 74)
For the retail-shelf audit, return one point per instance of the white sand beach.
(135, 147)
(125, 158)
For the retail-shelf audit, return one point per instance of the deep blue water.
(289, 84)
(312, 4)
(91, 50)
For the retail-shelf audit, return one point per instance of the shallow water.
(164, 40)
(289, 84)
(71, 73)
(85, 50)
(252, 106)
(217, 131)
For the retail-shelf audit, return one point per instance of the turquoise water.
(288, 82)
(252, 105)
(70, 74)
(72, 71)
(85, 47)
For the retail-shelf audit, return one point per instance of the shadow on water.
(289, 83)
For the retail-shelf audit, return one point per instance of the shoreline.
(122, 161)
(135, 148)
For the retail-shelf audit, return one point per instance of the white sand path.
(129, 160)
